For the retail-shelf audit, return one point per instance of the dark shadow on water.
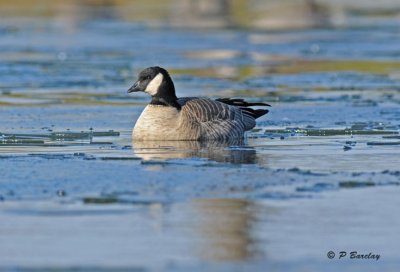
(234, 151)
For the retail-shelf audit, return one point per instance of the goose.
(169, 118)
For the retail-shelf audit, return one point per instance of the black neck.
(163, 102)
(166, 94)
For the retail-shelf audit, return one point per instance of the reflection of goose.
(224, 226)
(220, 151)
(189, 118)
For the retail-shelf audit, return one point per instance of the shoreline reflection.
(225, 227)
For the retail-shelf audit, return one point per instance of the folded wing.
(219, 119)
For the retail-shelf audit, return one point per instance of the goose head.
(156, 82)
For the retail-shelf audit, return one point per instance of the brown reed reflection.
(224, 227)
(201, 14)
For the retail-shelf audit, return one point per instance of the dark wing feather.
(244, 106)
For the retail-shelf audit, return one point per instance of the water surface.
(320, 172)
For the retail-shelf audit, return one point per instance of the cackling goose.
(189, 118)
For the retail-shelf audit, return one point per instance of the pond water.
(319, 173)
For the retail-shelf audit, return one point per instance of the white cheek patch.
(152, 87)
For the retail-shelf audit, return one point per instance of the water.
(319, 173)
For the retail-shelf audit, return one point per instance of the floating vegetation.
(328, 132)
(391, 137)
(51, 156)
(359, 126)
(304, 172)
(281, 195)
(16, 141)
(120, 158)
(105, 133)
(317, 187)
(356, 184)
(349, 184)
(82, 135)
(101, 143)
(122, 198)
(351, 143)
(50, 138)
(383, 143)
(347, 148)
(100, 200)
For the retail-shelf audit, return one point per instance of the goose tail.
(245, 106)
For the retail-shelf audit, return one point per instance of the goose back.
(214, 119)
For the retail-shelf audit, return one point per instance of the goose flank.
(168, 117)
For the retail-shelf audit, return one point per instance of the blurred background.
(320, 172)
(102, 44)
(256, 14)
